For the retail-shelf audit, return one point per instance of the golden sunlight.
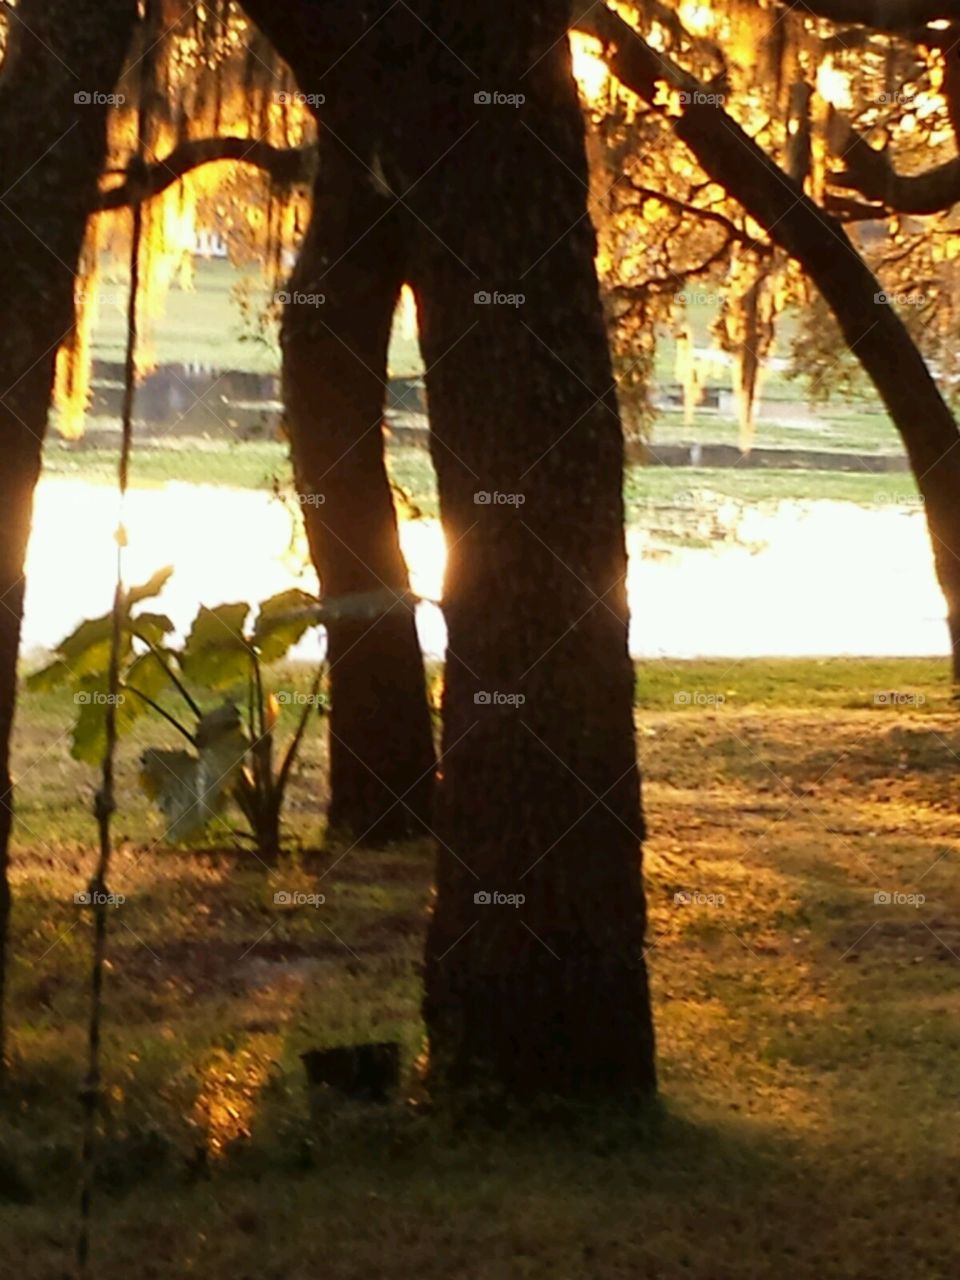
(834, 86)
(588, 66)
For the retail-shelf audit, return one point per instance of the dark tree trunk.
(873, 330)
(540, 791)
(52, 150)
(540, 799)
(336, 331)
(382, 758)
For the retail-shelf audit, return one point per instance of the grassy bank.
(808, 1034)
(263, 464)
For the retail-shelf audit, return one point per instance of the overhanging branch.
(285, 165)
(871, 174)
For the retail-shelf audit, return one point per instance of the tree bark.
(52, 150)
(539, 795)
(336, 331)
(872, 329)
(382, 758)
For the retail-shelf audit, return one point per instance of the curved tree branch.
(871, 173)
(706, 215)
(285, 165)
(870, 326)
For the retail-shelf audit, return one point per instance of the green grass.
(206, 324)
(853, 432)
(808, 1037)
(258, 464)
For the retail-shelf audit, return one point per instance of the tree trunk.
(336, 331)
(52, 150)
(334, 373)
(535, 975)
(873, 330)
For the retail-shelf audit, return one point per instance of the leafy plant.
(233, 754)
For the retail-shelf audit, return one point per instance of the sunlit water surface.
(795, 578)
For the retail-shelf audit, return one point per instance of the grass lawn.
(205, 324)
(853, 432)
(261, 464)
(807, 1035)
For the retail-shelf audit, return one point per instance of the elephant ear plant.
(213, 690)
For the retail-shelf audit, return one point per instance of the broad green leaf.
(152, 587)
(148, 674)
(217, 654)
(90, 728)
(281, 622)
(54, 676)
(86, 651)
(153, 627)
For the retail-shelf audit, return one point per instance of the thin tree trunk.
(52, 150)
(535, 980)
(382, 758)
(336, 331)
(873, 330)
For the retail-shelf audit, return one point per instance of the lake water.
(814, 578)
